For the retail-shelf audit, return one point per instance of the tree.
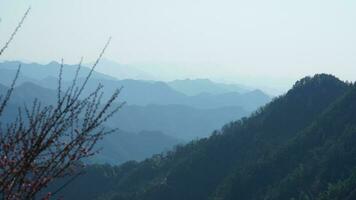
(46, 142)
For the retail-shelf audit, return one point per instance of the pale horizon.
(258, 43)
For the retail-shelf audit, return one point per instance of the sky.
(269, 43)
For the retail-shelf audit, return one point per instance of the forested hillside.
(302, 146)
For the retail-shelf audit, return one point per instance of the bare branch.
(48, 142)
(7, 96)
(15, 31)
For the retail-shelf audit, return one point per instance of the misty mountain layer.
(166, 116)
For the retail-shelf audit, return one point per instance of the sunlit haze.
(259, 43)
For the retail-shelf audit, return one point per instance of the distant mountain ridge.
(35, 71)
(194, 87)
(135, 92)
(178, 121)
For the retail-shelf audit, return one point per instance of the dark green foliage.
(343, 189)
(300, 146)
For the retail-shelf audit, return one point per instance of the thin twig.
(15, 31)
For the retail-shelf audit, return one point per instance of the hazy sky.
(268, 42)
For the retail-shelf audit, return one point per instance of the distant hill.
(194, 87)
(122, 146)
(249, 101)
(36, 72)
(300, 146)
(143, 93)
(26, 92)
(178, 121)
(118, 147)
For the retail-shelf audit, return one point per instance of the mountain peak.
(317, 79)
(320, 83)
(53, 63)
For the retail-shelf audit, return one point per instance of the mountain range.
(169, 116)
(135, 92)
(300, 146)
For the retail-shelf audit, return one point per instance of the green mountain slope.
(321, 154)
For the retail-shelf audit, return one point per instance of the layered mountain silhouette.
(179, 121)
(35, 71)
(135, 92)
(166, 115)
(301, 146)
